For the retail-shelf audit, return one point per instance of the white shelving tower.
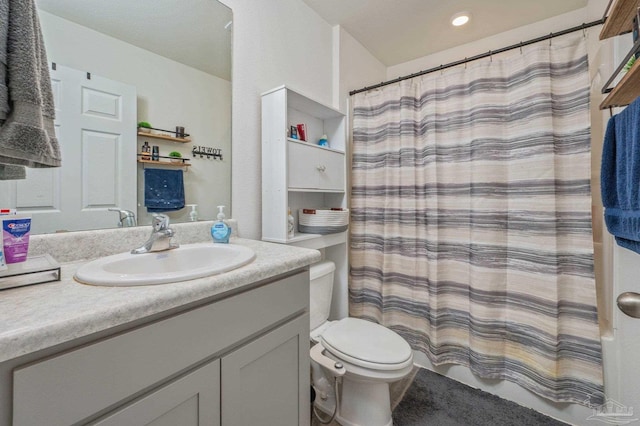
(301, 174)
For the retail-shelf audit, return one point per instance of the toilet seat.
(367, 344)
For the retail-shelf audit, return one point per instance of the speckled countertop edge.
(37, 317)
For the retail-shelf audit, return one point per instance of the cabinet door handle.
(321, 168)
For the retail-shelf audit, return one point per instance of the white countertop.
(40, 316)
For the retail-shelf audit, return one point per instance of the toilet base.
(364, 403)
(361, 404)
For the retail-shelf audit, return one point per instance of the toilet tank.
(320, 292)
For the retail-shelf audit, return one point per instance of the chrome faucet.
(160, 238)
(127, 218)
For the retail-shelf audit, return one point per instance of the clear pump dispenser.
(193, 214)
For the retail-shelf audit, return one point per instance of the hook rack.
(209, 152)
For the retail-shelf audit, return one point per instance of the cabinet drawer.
(92, 378)
(311, 167)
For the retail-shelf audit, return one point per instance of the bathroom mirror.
(159, 61)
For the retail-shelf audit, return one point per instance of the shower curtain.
(471, 218)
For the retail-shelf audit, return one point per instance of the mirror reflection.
(114, 65)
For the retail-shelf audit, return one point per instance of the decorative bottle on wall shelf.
(146, 151)
(155, 153)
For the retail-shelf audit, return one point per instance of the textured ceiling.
(397, 31)
(193, 35)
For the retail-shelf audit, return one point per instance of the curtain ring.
(521, 47)
(465, 62)
(550, 38)
(490, 56)
(584, 31)
(441, 69)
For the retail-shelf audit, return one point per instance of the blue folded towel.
(163, 190)
(620, 177)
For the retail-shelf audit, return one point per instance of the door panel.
(100, 184)
(101, 104)
(627, 329)
(266, 382)
(192, 400)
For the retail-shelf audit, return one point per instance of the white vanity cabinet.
(303, 175)
(233, 361)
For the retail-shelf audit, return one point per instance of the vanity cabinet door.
(191, 400)
(266, 382)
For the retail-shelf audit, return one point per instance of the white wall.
(357, 67)
(274, 42)
(169, 94)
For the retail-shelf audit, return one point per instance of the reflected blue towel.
(620, 177)
(163, 190)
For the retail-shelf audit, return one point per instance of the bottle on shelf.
(146, 151)
(291, 228)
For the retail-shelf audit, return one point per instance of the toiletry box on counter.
(202, 361)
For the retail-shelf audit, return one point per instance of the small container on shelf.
(144, 127)
(146, 151)
(323, 221)
(291, 226)
(176, 157)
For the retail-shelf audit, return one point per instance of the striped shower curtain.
(471, 218)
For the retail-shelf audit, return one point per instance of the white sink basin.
(187, 262)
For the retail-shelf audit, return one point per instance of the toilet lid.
(366, 341)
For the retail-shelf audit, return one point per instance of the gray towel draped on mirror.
(27, 134)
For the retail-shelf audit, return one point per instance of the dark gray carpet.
(433, 399)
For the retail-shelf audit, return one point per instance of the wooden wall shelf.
(165, 163)
(626, 91)
(620, 18)
(164, 137)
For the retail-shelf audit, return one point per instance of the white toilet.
(364, 355)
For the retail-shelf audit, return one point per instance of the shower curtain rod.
(482, 55)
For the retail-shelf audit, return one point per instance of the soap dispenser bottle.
(193, 214)
(220, 231)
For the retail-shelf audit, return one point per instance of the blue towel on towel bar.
(620, 176)
(163, 190)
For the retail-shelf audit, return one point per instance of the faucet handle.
(127, 217)
(160, 222)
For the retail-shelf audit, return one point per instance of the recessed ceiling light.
(460, 18)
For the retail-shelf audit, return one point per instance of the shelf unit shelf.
(620, 18)
(319, 191)
(625, 91)
(307, 143)
(165, 163)
(164, 137)
(313, 241)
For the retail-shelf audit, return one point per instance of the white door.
(96, 127)
(626, 265)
